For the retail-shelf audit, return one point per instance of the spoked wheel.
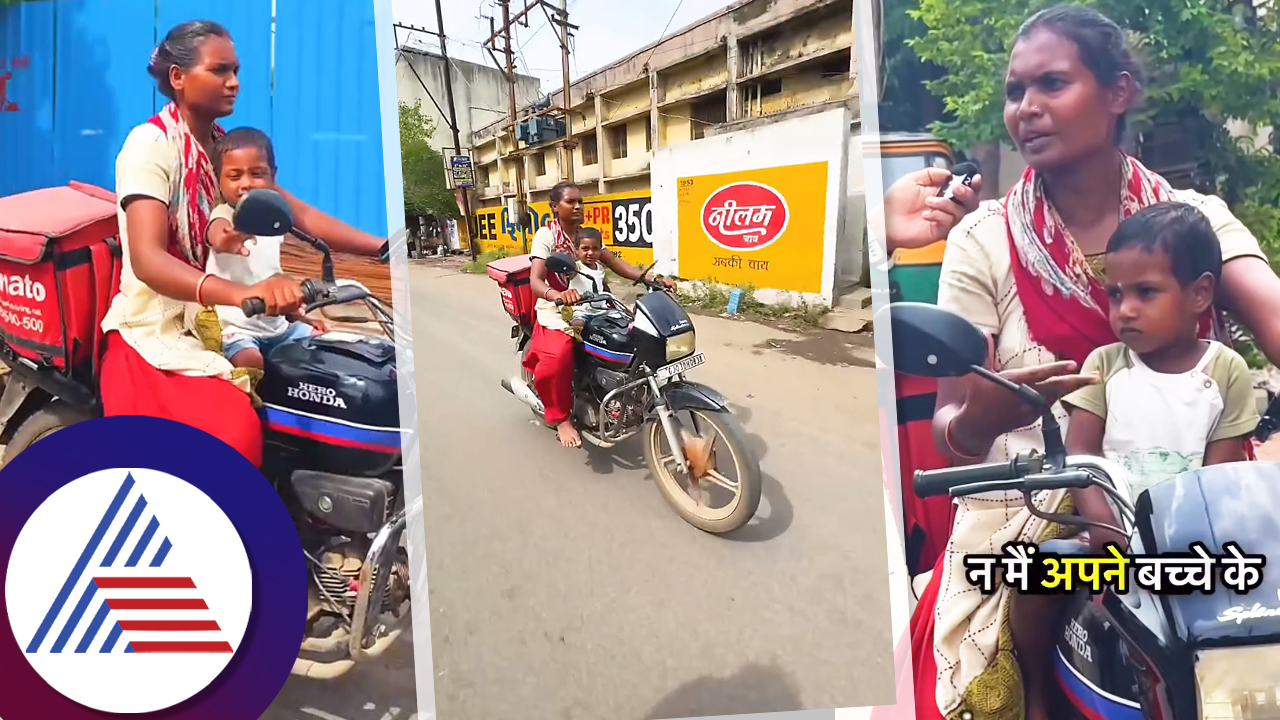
(722, 491)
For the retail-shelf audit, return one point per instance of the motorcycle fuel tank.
(607, 338)
(333, 399)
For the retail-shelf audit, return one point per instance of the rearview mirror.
(931, 342)
(263, 212)
(562, 264)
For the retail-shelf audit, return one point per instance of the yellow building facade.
(740, 66)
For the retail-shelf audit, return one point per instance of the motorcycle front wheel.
(689, 498)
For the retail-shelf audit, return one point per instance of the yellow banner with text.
(764, 228)
(625, 220)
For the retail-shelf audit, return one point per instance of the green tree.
(426, 190)
(907, 104)
(1208, 60)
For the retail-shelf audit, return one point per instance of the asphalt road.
(563, 587)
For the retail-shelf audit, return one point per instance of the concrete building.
(755, 60)
(479, 92)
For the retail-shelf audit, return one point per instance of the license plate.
(680, 366)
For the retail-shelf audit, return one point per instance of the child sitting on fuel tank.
(244, 161)
(590, 277)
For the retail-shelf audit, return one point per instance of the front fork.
(667, 419)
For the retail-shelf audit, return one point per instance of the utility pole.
(566, 144)
(510, 69)
(507, 66)
(453, 125)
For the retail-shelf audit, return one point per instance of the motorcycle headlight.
(1239, 682)
(681, 346)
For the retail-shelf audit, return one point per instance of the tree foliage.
(426, 190)
(1208, 61)
(907, 105)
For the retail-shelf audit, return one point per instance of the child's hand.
(224, 238)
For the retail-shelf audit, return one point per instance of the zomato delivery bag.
(59, 268)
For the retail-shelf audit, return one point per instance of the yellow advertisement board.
(764, 228)
(625, 221)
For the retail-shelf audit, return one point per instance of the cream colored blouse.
(156, 326)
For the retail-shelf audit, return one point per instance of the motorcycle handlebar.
(929, 483)
(312, 291)
(582, 298)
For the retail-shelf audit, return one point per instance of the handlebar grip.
(253, 306)
(929, 483)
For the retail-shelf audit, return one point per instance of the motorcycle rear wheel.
(39, 425)
(731, 440)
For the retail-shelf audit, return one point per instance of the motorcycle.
(629, 379)
(1135, 654)
(332, 449)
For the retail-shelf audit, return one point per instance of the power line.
(663, 35)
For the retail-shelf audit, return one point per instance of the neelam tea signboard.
(762, 227)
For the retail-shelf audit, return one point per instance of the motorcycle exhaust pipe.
(525, 394)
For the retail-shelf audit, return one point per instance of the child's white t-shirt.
(1159, 424)
(262, 262)
(582, 283)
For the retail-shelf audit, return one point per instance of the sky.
(608, 30)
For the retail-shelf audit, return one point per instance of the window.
(705, 113)
(770, 87)
(590, 152)
(648, 136)
(482, 177)
(618, 142)
(539, 164)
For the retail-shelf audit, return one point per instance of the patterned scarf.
(563, 244)
(1065, 303)
(196, 195)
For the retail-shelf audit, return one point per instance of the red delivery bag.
(59, 269)
(512, 276)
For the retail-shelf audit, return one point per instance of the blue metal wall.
(80, 85)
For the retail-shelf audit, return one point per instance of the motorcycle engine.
(332, 404)
(621, 409)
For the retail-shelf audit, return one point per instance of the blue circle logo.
(149, 569)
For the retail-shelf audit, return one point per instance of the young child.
(245, 160)
(1166, 401)
(590, 245)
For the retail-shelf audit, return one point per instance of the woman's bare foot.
(569, 436)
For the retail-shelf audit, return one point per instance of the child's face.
(243, 169)
(588, 250)
(1150, 309)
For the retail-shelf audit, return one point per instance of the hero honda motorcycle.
(1134, 655)
(332, 448)
(629, 379)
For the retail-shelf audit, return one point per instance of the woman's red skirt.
(132, 386)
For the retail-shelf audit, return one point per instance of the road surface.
(382, 689)
(563, 587)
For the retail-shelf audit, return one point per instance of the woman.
(1025, 270)
(550, 356)
(154, 364)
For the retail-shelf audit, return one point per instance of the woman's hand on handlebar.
(568, 297)
(281, 294)
(990, 410)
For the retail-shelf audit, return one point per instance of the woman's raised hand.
(990, 410)
(914, 215)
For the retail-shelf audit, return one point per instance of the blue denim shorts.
(264, 345)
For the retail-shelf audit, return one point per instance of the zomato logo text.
(745, 216)
(23, 286)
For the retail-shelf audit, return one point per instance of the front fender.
(683, 395)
